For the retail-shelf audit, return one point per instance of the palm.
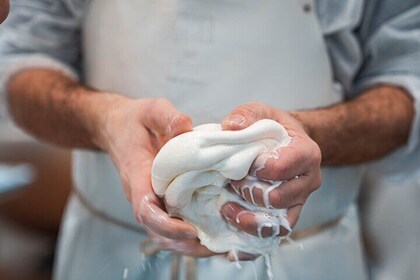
(139, 129)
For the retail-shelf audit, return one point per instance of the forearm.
(363, 129)
(57, 109)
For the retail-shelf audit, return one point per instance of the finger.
(183, 247)
(164, 119)
(245, 115)
(254, 191)
(178, 123)
(280, 195)
(299, 157)
(246, 221)
(155, 219)
(149, 211)
(240, 256)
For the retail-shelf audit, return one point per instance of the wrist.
(105, 108)
(317, 125)
(306, 120)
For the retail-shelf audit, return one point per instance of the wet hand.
(132, 133)
(297, 165)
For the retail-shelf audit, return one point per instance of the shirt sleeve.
(390, 39)
(41, 34)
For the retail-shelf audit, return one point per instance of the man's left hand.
(298, 165)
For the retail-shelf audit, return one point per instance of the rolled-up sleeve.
(40, 34)
(390, 40)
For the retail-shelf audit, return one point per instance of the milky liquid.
(269, 270)
(252, 184)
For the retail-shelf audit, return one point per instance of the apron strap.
(105, 217)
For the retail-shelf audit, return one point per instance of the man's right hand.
(132, 132)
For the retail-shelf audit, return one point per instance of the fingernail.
(236, 120)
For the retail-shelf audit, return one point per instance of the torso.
(208, 57)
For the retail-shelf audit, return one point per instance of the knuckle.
(317, 181)
(159, 101)
(303, 197)
(302, 157)
(314, 183)
(316, 154)
(298, 155)
(247, 112)
(252, 110)
(302, 189)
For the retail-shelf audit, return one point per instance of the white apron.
(390, 211)
(207, 57)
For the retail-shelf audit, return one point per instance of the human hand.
(297, 164)
(132, 133)
(4, 9)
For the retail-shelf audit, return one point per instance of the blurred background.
(35, 180)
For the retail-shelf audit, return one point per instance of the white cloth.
(390, 206)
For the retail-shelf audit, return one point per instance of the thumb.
(245, 115)
(165, 120)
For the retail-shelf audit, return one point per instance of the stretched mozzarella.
(191, 171)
